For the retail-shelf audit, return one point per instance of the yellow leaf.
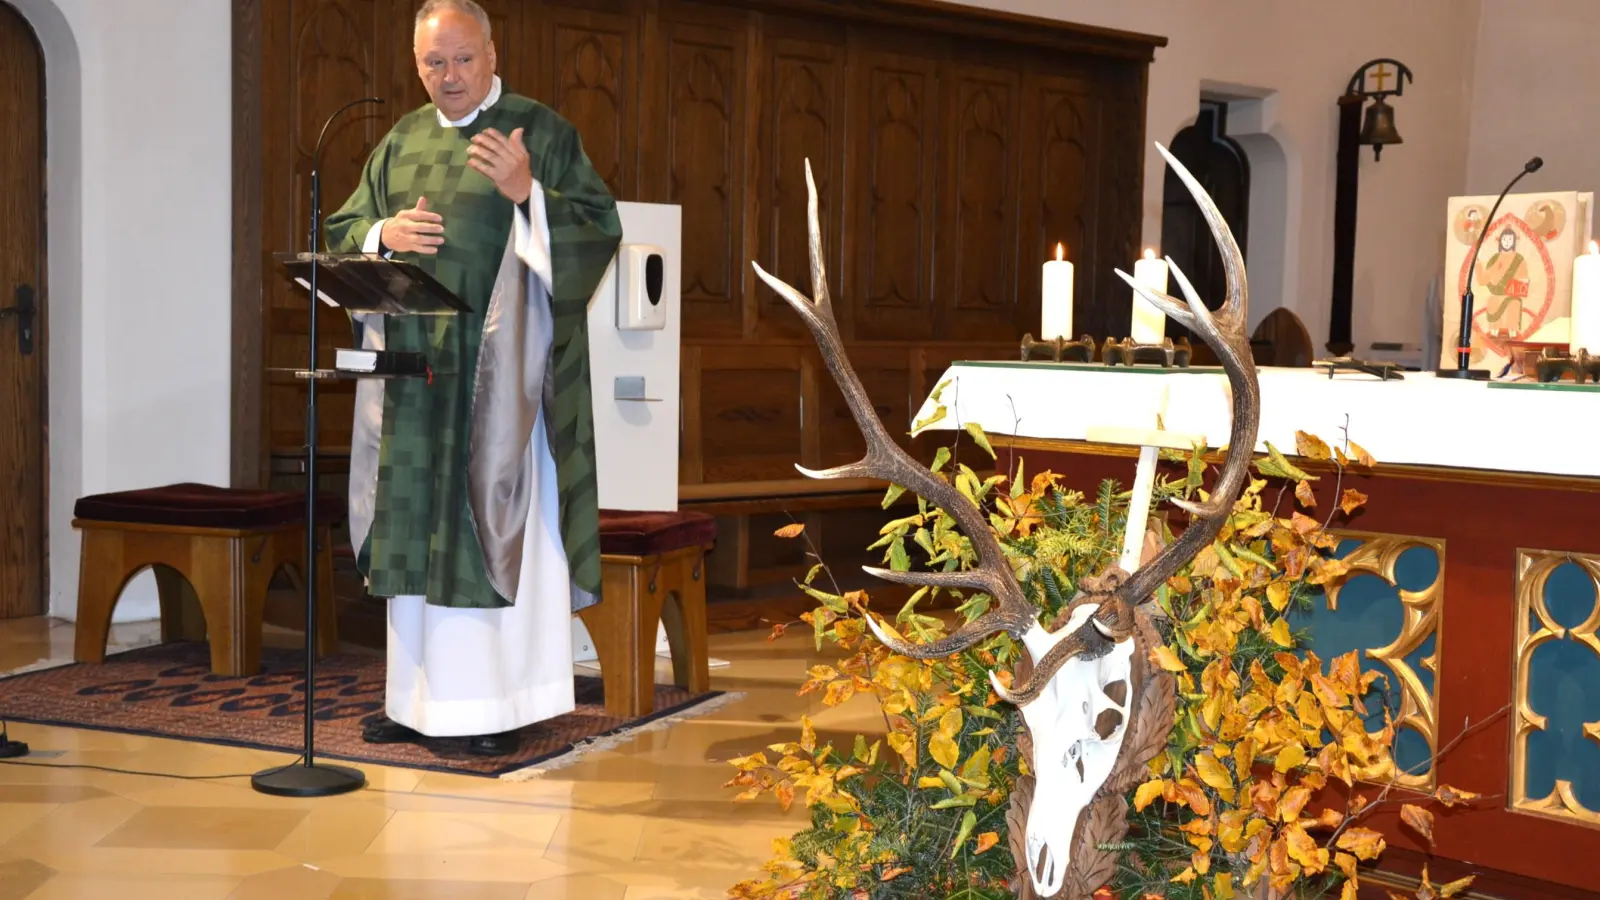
(1223, 887)
(1360, 455)
(808, 735)
(1348, 892)
(1294, 800)
(792, 530)
(1351, 500)
(1289, 758)
(1186, 876)
(1452, 797)
(986, 841)
(785, 795)
(1304, 494)
(1363, 842)
(838, 692)
(1278, 595)
(1280, 633)
(1215, 774)
(904, 745)
(1311, 447)
(1147, 794)
(1419, 819)
(950, 726)
(944, 750)
(930, 781)
(1456, 887)
(1164, 657)
(1303, 849)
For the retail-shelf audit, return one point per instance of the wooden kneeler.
(652, 571)
(214, 552)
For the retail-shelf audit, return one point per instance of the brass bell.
(1378, 129)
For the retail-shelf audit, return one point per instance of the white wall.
(139, 261)
(1300, 56)
(1533, 95)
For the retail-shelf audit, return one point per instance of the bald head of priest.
(473, 505)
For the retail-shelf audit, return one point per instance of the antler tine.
(886, 461)
(1224, 330)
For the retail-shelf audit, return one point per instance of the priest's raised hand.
(504, 161)
(414, 230)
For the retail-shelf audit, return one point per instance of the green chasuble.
(424, 538)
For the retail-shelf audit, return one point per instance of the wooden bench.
(214, 551)
(652, 571)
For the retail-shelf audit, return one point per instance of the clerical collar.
(492, 99)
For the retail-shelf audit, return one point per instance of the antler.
(1224, 330)
(885, 460)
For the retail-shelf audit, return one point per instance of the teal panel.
(1370, 616)
(1564, 686)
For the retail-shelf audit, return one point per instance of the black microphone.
(1464, 342)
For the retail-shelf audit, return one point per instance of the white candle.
(1055, 308)
(1149, 323)
(1586, 302)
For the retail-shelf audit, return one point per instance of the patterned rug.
(168, 691)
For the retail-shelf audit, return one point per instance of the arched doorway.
(23, 515)
(1220, 165)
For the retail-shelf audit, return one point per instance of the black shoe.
(384, 730)
(494, 744)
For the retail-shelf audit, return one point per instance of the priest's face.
(456, 61)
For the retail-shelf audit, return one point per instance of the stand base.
(13, 749)
(1464, 374)
(317, 780)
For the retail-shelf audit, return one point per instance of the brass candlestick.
(1167, 354)
(1058, 349)
(1554, 364)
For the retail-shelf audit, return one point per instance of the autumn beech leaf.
(1280, 633)
(943, 749)
(892, 874)
(1147, 794)
(1167, 659)
(1215, 774)
(1351, 500)
(986, 841)
(1456, 887)
(791, 530)
(1290, 758)
(1360, 456)
(808, 735)
(1303, 493)
(785, 793)
(1309, 446)
(1420, 820)
(1278, 595)
(1364, 843)
(978, 437)
(1453, 797)
(1303, 849)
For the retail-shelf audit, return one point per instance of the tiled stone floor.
(647, 819)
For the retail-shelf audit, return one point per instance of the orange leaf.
(1294, 800)
(892, 874)
(1351, 500)
(1309, 446)
(1147, 794)
(791, 530)
(1419, 819)
(1303, 849)
(986, 840)
(1360, 455)
(1304, 494)
(1164, 657)
(785, 795)
(1452, 797)
(1363, 842)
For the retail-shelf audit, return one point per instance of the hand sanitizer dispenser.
(641, 277)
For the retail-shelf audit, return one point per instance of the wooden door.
(22, 369)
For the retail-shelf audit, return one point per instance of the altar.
(1475, 584)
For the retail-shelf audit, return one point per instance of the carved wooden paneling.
(704, 106)
(749, 409)
(803, 119)
(894, 148)
(593, 62)
(1062, 185)
(886, 374)
(978, 222)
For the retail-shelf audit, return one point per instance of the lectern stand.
(357, 283)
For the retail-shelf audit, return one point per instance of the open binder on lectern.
(368, 283)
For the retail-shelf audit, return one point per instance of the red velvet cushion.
(649, 533)
(207, 506)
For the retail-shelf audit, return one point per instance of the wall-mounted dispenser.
(641, 287)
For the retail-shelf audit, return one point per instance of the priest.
(473, 504)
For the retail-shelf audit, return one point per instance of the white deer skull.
(1077, 723)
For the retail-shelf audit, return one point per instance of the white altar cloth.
(1421, 420)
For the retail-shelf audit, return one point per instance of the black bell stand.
(1464, 340)
(308, 778)
(10, 749)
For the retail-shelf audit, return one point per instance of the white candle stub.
(1055, 307)
(1586, 302)
(1149, 323)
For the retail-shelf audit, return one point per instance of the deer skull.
(1077, 723)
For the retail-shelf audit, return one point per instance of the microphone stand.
(309, 778)
(1464, 342)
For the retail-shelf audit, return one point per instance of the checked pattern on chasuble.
(423, 539)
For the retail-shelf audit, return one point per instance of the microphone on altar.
(1464, 342)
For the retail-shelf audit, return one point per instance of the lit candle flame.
(1149, 254)
(1061, 252)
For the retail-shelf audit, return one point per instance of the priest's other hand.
(414, 230)
(504, 161)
